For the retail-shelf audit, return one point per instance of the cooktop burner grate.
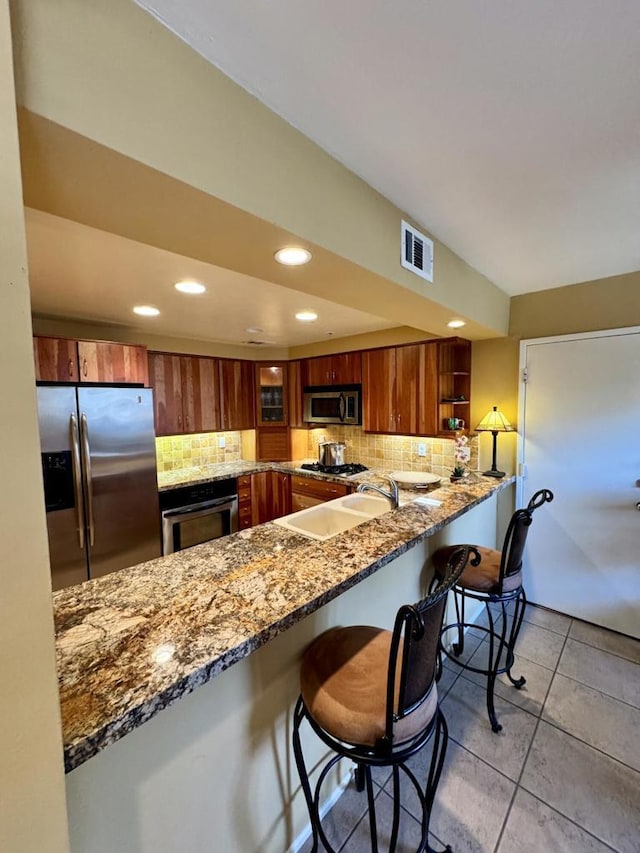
(346, 470)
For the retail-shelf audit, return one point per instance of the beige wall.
(32, 810)
(607, 303)
(163, 116)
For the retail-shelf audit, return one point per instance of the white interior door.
(580, 437)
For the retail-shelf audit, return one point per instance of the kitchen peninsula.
(230, 618)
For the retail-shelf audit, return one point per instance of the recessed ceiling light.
(189, 287)
(306, 316)
(146, 311)
(456, 324)
(254, 330)
(293, 256)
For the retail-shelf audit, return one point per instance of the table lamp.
(494, 422)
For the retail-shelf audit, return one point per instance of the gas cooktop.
(348, 470)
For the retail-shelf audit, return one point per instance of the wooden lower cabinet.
(306, 492)
(244, 502)
(270, 496)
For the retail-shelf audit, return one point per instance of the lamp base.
(498, 474)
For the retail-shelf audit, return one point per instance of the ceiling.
(509, 130)
(80, 272)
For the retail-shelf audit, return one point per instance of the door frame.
(522, 387)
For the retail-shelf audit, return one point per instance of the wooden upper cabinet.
(166, 380)
(341, 369)
(378, 389)
(186, 394)
(272, 400)
(110, 362)
(200, 394)
(237, 394)
(294, 369)
(407, 391)
(56, 359)
(67, 360)
(399, 388)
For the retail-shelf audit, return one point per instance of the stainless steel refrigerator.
(100, 482)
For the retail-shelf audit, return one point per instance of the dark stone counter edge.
(77, 753)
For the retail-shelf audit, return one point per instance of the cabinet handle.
(84, 366)
(70, 367)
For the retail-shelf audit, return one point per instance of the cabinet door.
(237, 394)
(378, 374)
(272, 445)
(428, 403)
(101, 361)
(407, 389)
(347, 368)
(294, 369)
(271, 395)
(281, 490)
(261, 497)
(318, 371)
(56, 359)
(200, 394)
(166, 381)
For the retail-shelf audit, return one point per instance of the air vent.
(256, 343)
(416, 252)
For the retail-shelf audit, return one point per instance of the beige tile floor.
(563, 775)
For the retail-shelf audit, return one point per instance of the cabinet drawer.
(244, 521)
(244, 511)
(244, 482)
(303, 502)
(317, 488)
(244, 494)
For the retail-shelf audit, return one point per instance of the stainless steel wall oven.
(199, 513)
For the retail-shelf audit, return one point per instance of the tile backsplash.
(187, 451)
(392, 451)
(375, 451)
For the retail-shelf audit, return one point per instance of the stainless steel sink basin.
(328, 519)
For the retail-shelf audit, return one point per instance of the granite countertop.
(131, 643)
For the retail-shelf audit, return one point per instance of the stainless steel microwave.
(337, 404)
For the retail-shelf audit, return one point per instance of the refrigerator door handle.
(77, 478)
(88, 483)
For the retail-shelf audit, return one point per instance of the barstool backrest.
(414, 646)
(516, 536)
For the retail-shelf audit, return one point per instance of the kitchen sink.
(328, 519)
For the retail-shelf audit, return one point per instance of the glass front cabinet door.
(271, 392)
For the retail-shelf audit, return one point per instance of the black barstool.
(370, 695)
(494, 578)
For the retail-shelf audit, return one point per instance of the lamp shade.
(494, 421)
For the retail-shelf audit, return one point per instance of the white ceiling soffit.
(509, 130)
(80, 272)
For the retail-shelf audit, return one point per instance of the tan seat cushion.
(483, 577)
(343, 681)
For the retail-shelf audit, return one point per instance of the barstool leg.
(298, 716)
(372, 810)
(518, 616)
(458, 647)
(396, 809)
(493, 664)
(440, 743)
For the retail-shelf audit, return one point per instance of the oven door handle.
(200, 509)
